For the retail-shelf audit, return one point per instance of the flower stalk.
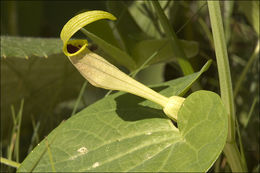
(100, 73)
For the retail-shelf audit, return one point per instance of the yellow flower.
(100, 73)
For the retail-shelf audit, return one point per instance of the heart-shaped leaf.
(123, 132)
(27, 47)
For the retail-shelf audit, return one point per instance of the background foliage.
(35, 72)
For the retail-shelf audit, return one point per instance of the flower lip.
(81, 20)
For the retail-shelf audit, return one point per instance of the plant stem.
(222, 63)
(19, 121)
(231, 151)
(12, 18)
(233, 157)
(251, 111)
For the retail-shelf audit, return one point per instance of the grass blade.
(9, 162)
(13, 135)
(35, 136)
(251, 111)
(182, 59)
(246, 69)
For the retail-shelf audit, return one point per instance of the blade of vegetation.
(35, 136)
(144, 64)
(223, 64)
(181, 57)
(145, 49)
(18, 127)
(9, 162)
(231, 150)
(126, 129)
(20, 47)
(206, 31)
(202, 70)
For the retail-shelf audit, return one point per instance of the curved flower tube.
(100, 73)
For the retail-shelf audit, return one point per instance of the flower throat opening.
(72, 48)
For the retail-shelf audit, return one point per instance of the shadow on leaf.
(130, 109)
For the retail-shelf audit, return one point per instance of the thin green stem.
(251, 111)
(79, 97)
(231, 151)
(223, 64)
(37, 159)
(17, 142)
(246, 69)
(134, 73)
(9, 162)
(192, 17)
(206, 31)
(181, 57)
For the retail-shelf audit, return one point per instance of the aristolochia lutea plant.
(100, 73)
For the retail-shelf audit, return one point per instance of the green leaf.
(144, 49)
(123, 132)
(28, 46)
(44, 83)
